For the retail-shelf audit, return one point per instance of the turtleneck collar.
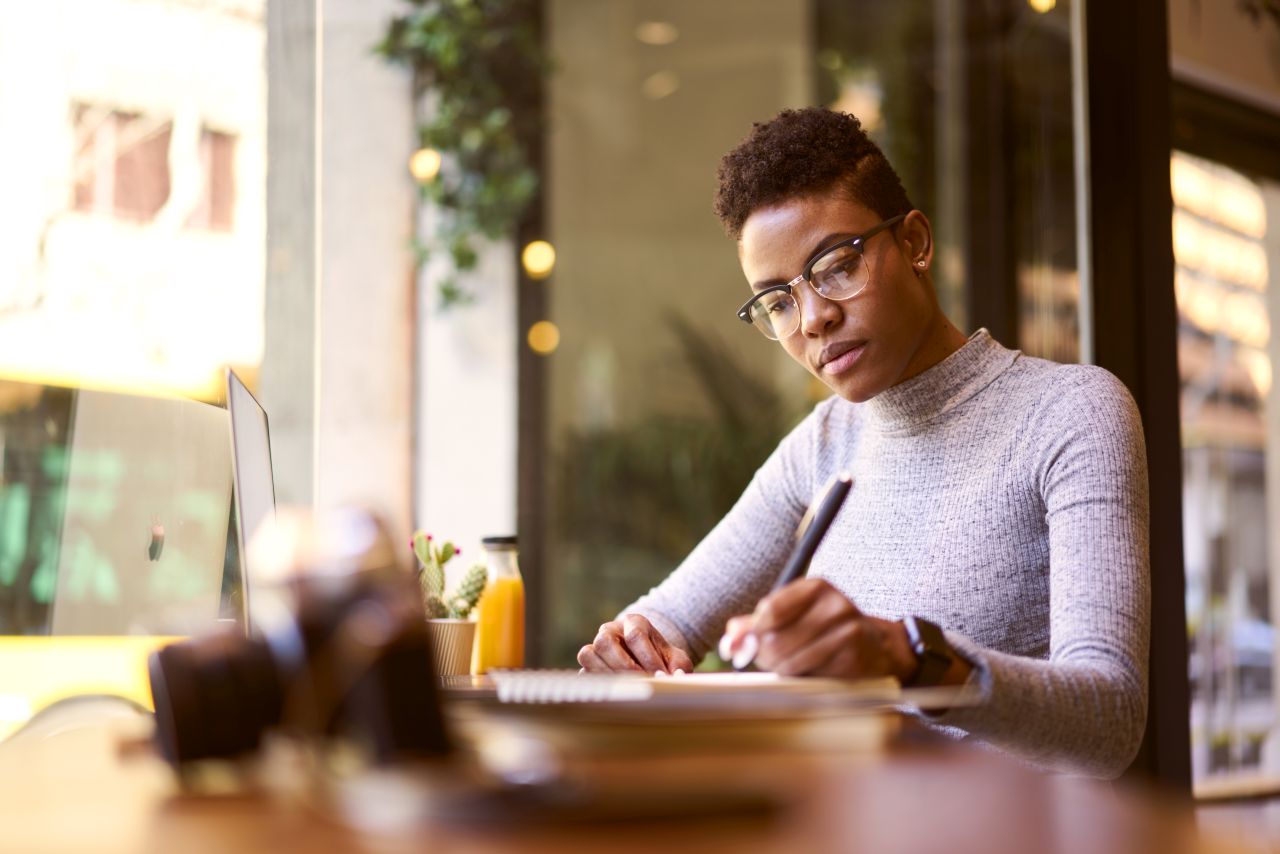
(942, 387)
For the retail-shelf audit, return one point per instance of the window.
(659, 404)
(122, 163)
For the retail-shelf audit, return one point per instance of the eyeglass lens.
(840, 274)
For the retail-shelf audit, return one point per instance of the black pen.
(813, 527)
(810, 537)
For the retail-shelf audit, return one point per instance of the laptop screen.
(255, 493)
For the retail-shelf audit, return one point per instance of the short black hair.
(805, 152)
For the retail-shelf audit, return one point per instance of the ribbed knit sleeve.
(1084, 709)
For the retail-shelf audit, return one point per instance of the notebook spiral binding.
(569, 686)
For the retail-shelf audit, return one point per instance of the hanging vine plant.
(478, 67)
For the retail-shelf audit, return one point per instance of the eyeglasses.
(838, 272)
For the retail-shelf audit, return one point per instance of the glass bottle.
(500, 620)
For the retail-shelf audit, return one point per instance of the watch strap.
(933, 654)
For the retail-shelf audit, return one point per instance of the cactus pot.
(451, 643)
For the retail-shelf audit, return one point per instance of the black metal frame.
(531, 406)
(1134, 321)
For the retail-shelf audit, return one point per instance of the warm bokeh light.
(1258, 365)
(424, 165)
(1216, 252)
(1238, 314)
(657, 33)
(1042, 6)
(544, 337)
(660, 85)
(538, 259)
(1217, 194)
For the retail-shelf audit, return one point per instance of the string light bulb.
(538, 259)
(544, 337)
(424, 165)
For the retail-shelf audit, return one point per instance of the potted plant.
(452, 633)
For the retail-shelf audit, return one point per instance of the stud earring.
(919, 263)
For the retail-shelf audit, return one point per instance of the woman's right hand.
(632, 643)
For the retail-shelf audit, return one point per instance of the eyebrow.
(825, 243)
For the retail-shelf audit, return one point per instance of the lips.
(840, 356)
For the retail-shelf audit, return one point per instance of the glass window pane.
(132, 272)
(1225, 248)
(661, 404)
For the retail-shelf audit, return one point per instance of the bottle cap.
(498, 541)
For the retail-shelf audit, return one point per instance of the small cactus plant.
(432, 560)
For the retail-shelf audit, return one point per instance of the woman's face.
(860, 346)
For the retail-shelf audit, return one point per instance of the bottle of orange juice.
(500, 620)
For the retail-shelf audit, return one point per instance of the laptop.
(255, 492)
(142, 543)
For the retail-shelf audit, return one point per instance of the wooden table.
(76, 786)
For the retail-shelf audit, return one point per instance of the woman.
(996, 533)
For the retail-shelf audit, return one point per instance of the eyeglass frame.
(858, 240)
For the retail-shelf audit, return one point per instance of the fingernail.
(725, 649)
(678, 672)
(747, 652)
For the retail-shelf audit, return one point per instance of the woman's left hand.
(809, 628)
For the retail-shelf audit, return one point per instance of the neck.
(941, 338)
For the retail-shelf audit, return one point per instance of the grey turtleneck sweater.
(1001, 496)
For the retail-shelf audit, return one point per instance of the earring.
(919, 263)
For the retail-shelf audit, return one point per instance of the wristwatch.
(933, 654)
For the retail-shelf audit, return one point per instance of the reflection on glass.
(1223, 257)
(134, 192)
(660, 404)
(132, 259)
(1042, 192)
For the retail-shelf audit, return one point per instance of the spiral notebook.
(580, 714)
(571, 686)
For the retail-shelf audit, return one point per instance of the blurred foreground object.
(341, 653)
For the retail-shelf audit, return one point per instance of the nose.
(817, 313)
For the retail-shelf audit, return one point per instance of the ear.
(915, 236)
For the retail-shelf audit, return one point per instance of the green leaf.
(481, 60)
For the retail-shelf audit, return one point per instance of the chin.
(852, 389)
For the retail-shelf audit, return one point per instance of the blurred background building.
(191, 185)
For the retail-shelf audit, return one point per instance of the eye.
(841, 261)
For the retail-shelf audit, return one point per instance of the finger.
(825, 613)
(783, 607)
(735, 631)
(813, 657)
(746, 652)
(678, 659)
(590, 660)
(637, 634)
(608, 645)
